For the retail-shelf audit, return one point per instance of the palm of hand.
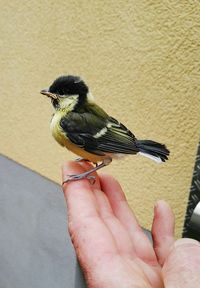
(111, 246)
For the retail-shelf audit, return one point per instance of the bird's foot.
(74, 177)
(86, 175)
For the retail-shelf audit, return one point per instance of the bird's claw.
(74, 177)
(92, 179)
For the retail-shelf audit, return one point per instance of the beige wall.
(141, 60)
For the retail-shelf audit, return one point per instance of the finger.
(126, 216)
(120, 235)
(87, 230)
(162, 230)
(117, 200)
(80, 190)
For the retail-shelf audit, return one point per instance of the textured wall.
(142, 56)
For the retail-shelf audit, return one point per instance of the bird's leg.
(106, 161)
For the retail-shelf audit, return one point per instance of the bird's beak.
(48, 94)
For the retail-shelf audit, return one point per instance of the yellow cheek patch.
(68, 103)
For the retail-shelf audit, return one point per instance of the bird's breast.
(56, 130)
(61, 137)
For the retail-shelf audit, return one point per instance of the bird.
(84, 128)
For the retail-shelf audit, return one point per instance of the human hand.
(112, 248)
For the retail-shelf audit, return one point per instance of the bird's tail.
(153, 150)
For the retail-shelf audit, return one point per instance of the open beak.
(48, 94)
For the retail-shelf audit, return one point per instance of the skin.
(113, 250)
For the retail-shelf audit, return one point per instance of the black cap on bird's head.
(66, 86)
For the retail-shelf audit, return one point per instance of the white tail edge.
(154, 158)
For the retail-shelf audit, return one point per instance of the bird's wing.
(98, 135)
(81, 128)
(117, 139)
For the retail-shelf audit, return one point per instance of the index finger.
(78, 194)
(87, 230)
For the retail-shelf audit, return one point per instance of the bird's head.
(67, 92)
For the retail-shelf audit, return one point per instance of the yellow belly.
(82, 153)
(62, 139)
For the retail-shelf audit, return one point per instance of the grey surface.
(35, 250)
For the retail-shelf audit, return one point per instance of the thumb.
(162, 230)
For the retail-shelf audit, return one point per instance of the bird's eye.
(55, 103)
(60, 92)
(63, 92)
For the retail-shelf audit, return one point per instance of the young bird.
(84, 128)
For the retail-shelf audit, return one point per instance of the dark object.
(195, 220)
(192, 218)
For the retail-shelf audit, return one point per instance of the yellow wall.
(141, 61)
